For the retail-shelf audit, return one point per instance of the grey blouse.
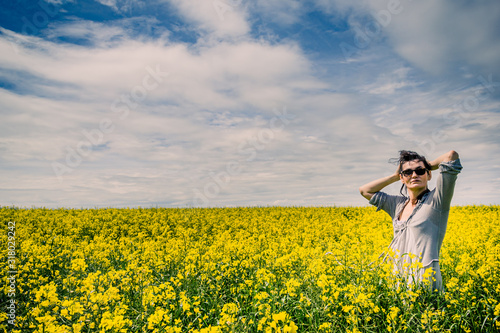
(423, 232)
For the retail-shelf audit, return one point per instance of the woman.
(420, 218)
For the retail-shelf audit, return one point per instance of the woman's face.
(414, 181)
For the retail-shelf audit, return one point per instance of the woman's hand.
(398, 170)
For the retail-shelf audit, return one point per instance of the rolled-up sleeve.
(445, 184)
(384, 201)
(378, 200)
(452, 167)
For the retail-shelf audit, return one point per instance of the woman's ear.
(429, 175)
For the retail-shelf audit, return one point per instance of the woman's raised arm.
(447, 157)
(369, 189)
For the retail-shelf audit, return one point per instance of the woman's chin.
(416, 186)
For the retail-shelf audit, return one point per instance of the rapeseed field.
(261, 269)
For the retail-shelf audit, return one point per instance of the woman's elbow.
(453, 155)
(365, 194)
(362, 191)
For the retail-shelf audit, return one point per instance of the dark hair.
(407, 156)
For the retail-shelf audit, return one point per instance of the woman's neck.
(416, 194)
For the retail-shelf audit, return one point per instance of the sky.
(215, 103)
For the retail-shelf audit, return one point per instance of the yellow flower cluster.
(261, 269)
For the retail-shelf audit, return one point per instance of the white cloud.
(440, 36)
(280, 11)
(122, 6)
(220, 18)
(211, 75)
(389, 83)
(93, 32)
(215, 99)
(445, 38)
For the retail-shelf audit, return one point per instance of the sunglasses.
(419, 171)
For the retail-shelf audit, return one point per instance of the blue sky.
(235, 103)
